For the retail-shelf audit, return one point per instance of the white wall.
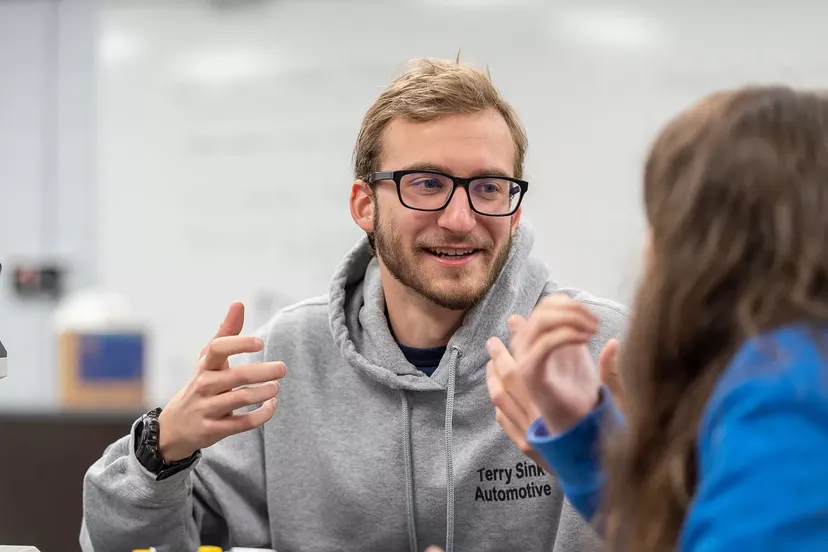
(48, 195)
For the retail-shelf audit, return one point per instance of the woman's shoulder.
(791, 358)
(783, 369)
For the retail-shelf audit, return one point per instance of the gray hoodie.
(364, 452)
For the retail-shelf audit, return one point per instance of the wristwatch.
(145, 437)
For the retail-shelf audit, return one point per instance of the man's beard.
(401, 263)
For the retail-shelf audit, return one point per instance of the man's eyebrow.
(445, 170)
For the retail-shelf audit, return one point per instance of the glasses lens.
(495, 196)
(425, 190)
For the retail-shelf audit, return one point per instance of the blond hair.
(427, 90)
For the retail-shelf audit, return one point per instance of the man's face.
(420, 249)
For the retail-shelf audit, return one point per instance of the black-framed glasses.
(492, 196)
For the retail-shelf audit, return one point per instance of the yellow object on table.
(200, 549)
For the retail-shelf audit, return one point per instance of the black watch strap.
(146, 448)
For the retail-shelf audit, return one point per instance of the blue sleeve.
(763, 458)
(574, 456)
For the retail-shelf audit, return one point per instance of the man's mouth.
(451, 252)
(443, 252)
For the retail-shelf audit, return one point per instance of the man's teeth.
(452, 252)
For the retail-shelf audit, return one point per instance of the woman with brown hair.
(724, 441)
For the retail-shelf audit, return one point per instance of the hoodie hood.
(360, 327)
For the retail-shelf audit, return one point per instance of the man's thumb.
(233, 320)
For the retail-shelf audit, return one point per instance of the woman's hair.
(736, 195)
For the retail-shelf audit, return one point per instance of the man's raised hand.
(202, 413)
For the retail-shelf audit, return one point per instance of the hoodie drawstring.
(409, 474)
(455, 354)
(409, 469)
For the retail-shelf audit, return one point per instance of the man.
(385, 437)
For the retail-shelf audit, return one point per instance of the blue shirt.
(762, 451)
(426, 360)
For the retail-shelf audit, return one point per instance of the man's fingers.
(221, 381)
(238, 423)
(260, 372)
(224, 404)
(221, 348)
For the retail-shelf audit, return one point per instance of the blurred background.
(162, 158)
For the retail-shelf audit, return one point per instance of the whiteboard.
(226, 135)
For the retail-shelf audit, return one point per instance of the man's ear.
(516, 220)
(362, 205)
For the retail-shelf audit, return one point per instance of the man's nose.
(458, 216)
